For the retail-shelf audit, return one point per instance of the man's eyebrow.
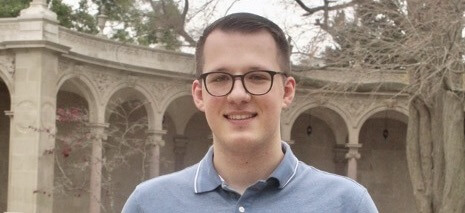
(254, 68)
(221, 69)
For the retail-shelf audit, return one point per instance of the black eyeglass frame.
(203, 77)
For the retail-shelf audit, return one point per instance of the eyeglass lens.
(255, 82)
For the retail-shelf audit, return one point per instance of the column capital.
(159, 132)
(353, 155)
(97, 130)
(180, 144)
(180, 140)
(98, 125)
(353, 145)
(154, 137)
(353, 151)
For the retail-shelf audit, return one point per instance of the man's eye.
(218, 78)
(257, 77)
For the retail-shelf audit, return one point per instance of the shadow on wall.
(4, 144)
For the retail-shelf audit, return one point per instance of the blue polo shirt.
(292, 187)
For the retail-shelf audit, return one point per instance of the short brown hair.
(246, 23)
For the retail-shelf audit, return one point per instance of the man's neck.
(240, 170)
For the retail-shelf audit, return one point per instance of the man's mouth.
(240, 116)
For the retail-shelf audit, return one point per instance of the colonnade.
(38, 59)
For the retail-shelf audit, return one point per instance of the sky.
(306, 37)
(288, 15)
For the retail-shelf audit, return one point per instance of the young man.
(243, 84)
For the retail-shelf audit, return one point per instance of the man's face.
(240, 120)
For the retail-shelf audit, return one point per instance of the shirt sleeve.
(132, 204)
(366, 204)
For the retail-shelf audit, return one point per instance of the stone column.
(340, 160)
(180, 145)
(352, 156)
(98, 135)
(154, 143)
(31, 165)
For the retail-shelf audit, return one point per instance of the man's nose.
(238, 93)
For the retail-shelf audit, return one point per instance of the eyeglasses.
(255, 82)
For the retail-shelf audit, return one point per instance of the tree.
(126, 144)
(425, 39)
(129, 21)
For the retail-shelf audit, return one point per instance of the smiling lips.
(240, 116)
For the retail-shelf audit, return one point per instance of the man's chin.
(239, 141)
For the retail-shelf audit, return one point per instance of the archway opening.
(5, 104)
(200, 139)
(319, 135)
(72, 150)
(382, 167)
(125, 152)
(188, 136)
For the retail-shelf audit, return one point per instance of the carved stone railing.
(349, 75)
(94, 47)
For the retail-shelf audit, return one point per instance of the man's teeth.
(240, 117)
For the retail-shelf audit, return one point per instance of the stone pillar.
(32, 143)
(38, 9)
(352, 156)
(98, 135)
(180, 145)
(154, 143)
(340, 160)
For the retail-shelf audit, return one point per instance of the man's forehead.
(238, 31)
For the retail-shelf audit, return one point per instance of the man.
(243, 83)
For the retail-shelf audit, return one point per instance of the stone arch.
(199, 138)
(6, 79)
(319, 135)
(127, 92)
(5, 105)
(129, 113)
(81, 85)
(375, 110)
(180, 109)
(383, 167)
(172, 97)
(175, 120)
(293, 115)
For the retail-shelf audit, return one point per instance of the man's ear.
(197, 95)
(289, 91)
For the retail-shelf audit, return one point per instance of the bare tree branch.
(230, 6)
(184, 12)
(311, 11)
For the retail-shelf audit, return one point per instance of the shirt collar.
(287, 169)
(207, 179)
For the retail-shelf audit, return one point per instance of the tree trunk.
(453, 200)
(436, 153)
(415, 157)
